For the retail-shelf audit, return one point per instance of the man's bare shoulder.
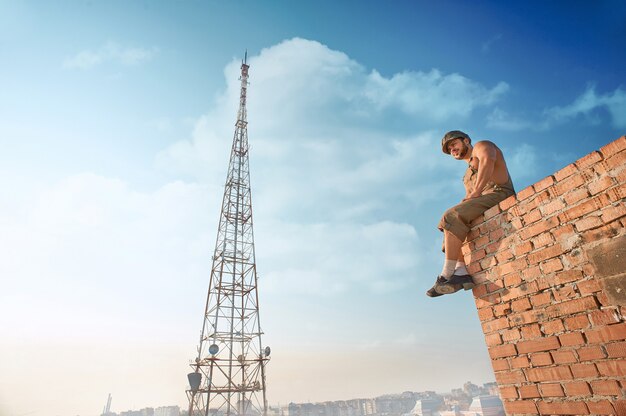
(485, 144)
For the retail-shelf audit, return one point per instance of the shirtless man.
(487, 182)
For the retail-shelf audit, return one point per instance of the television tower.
(228, 375)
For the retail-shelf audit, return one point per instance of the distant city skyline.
(392, 403)
(116, 120)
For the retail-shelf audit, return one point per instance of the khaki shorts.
(458, 218)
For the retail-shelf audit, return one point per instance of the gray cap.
(451, 135)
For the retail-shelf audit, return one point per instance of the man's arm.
(485, 153)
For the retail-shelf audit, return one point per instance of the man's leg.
(453, 253)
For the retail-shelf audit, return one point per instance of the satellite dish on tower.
(267, 351)
(213, 349)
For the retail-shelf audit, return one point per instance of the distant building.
(167, 411)
(427, 407)
(486, 406)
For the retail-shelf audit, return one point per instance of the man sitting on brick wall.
(487, 182)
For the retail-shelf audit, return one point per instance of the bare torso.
(488, 160)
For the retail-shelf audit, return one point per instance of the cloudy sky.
(116, 120)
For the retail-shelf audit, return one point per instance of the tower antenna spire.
(228, 377)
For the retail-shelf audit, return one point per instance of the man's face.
(457, 148)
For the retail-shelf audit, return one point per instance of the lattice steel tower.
(228, 375)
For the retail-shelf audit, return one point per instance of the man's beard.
(463, 151)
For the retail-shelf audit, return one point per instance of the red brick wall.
(550, 264)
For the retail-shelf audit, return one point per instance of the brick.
(549, 374)
(612, 368)
(502, 310)
(613, 147)
(575, 195)
(553, 327)
(600, 184)
(513, 279)
(552, 207)
(511, 266)
(531, 331)
(551, 390)
(510, 377)
(605, 388)
(569, 184)
(575, 259)
(589, 286)
(491, 212)
(576, 322)
(526, 407)
(481, 241)
(540, 299)
(520, 362)
(616, 332)
(522, 248)
(550, 252)
(571, 339)
(587, 223)
(565, 293)
(501, 351)
(493, 339)
(512, 334)
(495, 325)
(584, 208)
(602, 233)
(504, 255)
(584, 370)
(571, 307)
(612, 213)
(601, 407)
(485, 314)
(552, 265)
(567, 276)
(497, 236)
(588, 160)
(508, 392)
(565, 172)
(563, 408)
(577, 388)
(544, 183)
(605, 317)
(590, 353)
(489, 300)
(531, 273)
(525, 193)
(616, 160)
(522, 290)
(541, 359)
(538, 228)
(531, 217)
(564, 357)
(620, 407)
(529, 391)
(540, 241)
(616, 350)
(521, 305)
(500, 365)
(508, 203)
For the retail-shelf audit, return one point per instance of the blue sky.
(116, 120)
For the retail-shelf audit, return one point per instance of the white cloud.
(522, 163)
(587, 104)
(430, 94)
(110, 52)
(502, 120)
